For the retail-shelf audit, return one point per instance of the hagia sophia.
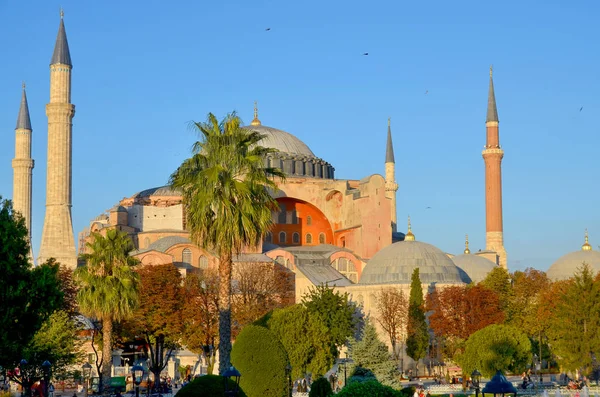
(327, 230)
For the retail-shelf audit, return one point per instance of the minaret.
(391, 187)
(492, 156)
(57, 237)
(23, 166)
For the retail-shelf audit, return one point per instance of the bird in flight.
(581, 108)
(427, 208)
(267, 29)
(366, 53)
(426, 92)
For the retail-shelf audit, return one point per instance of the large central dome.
(281, 140)
(395, 263)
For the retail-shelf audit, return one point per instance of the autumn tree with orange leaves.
(392, 309)
(158, 318)
(459, 311)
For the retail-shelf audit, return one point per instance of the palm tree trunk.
(224, 312)
(106, 353)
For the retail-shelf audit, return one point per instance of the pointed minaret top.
(61, 48)
(23, 120)
(255, 121)
(467, 250)
(492, 112)
(389, 149)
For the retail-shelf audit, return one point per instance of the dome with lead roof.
(567, 265)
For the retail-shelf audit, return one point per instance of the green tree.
(496, 347)
(320, 388)
(28, 296)
(371, 353)
(227, 197)
(334, 310)
(417, 333)
(369, 388)
(207, 386)
(262, 361)
(305, 338)
(108, 286)
(159, 315)
(499, 281)
(575, 321)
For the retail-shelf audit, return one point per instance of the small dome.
(476, 267)
(281, 140)
(395, 264)
(566, 266)
(118, 208)
(158, 191)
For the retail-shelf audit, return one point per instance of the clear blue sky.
(144, 69)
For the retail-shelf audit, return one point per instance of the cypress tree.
(417, 333)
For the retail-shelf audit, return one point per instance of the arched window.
(146, 242)
(321, 238)
(268, 237)
(309, 220)
(281, 237)
(342, 265)
(294, 217)
(296, 238)
(282, 214)
(186, 256)
(308, 238)
(343, 241)
(203, 262)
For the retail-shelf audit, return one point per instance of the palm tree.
(227, 196)
(108, 287)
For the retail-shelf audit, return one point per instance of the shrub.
(360, 374)
(408, 391)
(370, 388)
(206, 386)
(262, 361)
(320, 388)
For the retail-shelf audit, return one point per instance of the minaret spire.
(467, 250)
(58, 240)
(586, 245)
(409, 236)
(23, 166)
(61, 54)
(391, 187)
(492, 157)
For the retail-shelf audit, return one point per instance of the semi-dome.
(566, 266)
(395, 264)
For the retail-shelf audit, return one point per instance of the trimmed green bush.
(320, 388)
(370, 388)
(261, 359)
(206, 386)
(360, 374)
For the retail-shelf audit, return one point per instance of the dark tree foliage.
(261, 360)
(370, 388)
(417, 333)
(320, 388)
(207, 386)
(28, 296)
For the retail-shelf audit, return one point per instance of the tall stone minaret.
(391, 187)
(492, 156)
(57, 237)
(23, 166)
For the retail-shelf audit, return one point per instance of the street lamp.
(138, 373)
(288, 376)
(476, 378)
(87, 372)
(46, 369)
(232, 390)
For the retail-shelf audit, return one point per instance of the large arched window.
(269, 237)
(186, 256)
(282, 215)
(281, 237)
(321, 238)
(308, 238)
(296, 238)
(309, 220)
(203, 262)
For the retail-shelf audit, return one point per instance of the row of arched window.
(308, 238)
(284, 217)
(186, 257)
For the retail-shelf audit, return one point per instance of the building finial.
(491, 70)
(586, 246)
(255, 121)
(409, 234)
(467, 250)
(23, 85)
(62, 13)
(389, 121)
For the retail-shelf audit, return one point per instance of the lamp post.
(137, 372)
(476, 378)
(87, 372)
(46, 366)
(232, 390)
(288, 377)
